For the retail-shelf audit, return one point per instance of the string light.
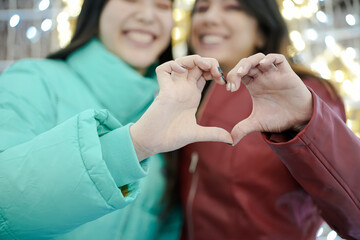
(32, 33)
(296, 9)
(350, 19)
(14, 20)
(44, 4)
(65, 20)
(297, 40)
(46, 25)
(321, 17)
(311, 34)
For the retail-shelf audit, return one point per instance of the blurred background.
(325, 36)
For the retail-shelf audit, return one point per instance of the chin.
(141, 66)
(140, 62)
(213, 54)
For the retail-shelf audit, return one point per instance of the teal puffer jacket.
(65, 149)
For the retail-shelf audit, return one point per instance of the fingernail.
(222, 74)
(228, 86)
(233, 87)
(240, 70)
(262, 61)
(220, 70)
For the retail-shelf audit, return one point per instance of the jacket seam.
(82, 159)
(338, 178)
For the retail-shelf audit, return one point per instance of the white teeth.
(140, 37)
(212, 39)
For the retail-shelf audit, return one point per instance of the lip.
(139, 42)
(211, 39)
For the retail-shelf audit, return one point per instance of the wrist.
(306, 113)
(142, 152)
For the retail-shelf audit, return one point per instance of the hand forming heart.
(280, 99)
(170, 121)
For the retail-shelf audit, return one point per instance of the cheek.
(168, 24)
(107, 25)
(247, 34)
(193, 36)
(103, 31)
(168, 32)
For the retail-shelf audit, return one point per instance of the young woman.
(71, 161)
(247, 191)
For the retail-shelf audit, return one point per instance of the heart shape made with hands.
(274, 88)
(170, 122)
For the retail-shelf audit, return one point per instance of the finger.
(201, 83)
(234, 86)
(207, 75)
(253, 72)
(210, 65)
(273, 62)
(242, 69)
(247, 80)
(215, 71)
(195, 64)
(179, 72)
(246, 64)
(219, 79)
(192, 61)
(165, 70)
(241, 129)
(213, 134)
(195, 74)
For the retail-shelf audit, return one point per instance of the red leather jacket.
(247, 191)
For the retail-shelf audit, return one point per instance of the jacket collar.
(116, 85)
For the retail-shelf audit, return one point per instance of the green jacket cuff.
(120, 157)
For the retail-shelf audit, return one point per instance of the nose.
(212, 16)
(146, 13)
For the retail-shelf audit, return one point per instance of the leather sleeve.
(325, 159)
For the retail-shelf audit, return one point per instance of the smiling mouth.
(140, 38)
(211, 39)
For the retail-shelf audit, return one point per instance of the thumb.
(213, 134)
(241, 129)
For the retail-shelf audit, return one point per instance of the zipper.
(191, 195)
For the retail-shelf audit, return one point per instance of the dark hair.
(275, 31)
(270, 21)
(87, 27)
